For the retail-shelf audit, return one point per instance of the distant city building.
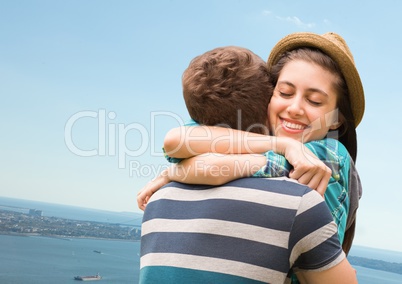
(35, 212)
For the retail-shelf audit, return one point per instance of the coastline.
(67, 238)
(17, 223)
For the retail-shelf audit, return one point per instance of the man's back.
(247, 231)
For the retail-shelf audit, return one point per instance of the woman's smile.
(293, 126)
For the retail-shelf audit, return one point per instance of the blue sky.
(89, 89)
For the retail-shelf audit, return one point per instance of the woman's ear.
(338, 120)
(336, 125)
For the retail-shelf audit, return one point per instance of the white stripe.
(218, 227)
(236, 193)
(310, 200)
(213, 265)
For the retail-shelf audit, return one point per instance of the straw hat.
(335, 46)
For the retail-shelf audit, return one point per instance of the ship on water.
(88, 278)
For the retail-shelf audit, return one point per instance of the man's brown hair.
(228, 86)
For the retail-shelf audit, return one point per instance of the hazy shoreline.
(67, 238)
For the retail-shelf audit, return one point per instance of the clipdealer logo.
(112, 138)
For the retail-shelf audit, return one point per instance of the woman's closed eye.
(315, 103)
(285, 95)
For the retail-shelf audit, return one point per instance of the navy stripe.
(327, 251)
(227, 210)
(188, 186)
(215, 246)
(276, 186)
(307, 222)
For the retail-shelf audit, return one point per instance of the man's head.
(228, 86)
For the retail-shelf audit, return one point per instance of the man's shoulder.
(282, 185)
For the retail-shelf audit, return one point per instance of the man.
(251, 230)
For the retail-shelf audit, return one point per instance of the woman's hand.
(150, 188)
(307, 168)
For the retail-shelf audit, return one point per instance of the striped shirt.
(246, 231)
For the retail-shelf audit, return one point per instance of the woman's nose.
(295, 107)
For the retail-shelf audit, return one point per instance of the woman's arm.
(211, 169)
(216, 169)
(185, 142)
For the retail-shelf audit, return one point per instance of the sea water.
(44, 260)
(372, 276)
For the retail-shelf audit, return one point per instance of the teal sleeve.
(171, 159)
(277, 166)
(327, 150)
(337, 158)
(331, 152)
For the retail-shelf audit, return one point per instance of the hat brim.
(346, 64)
